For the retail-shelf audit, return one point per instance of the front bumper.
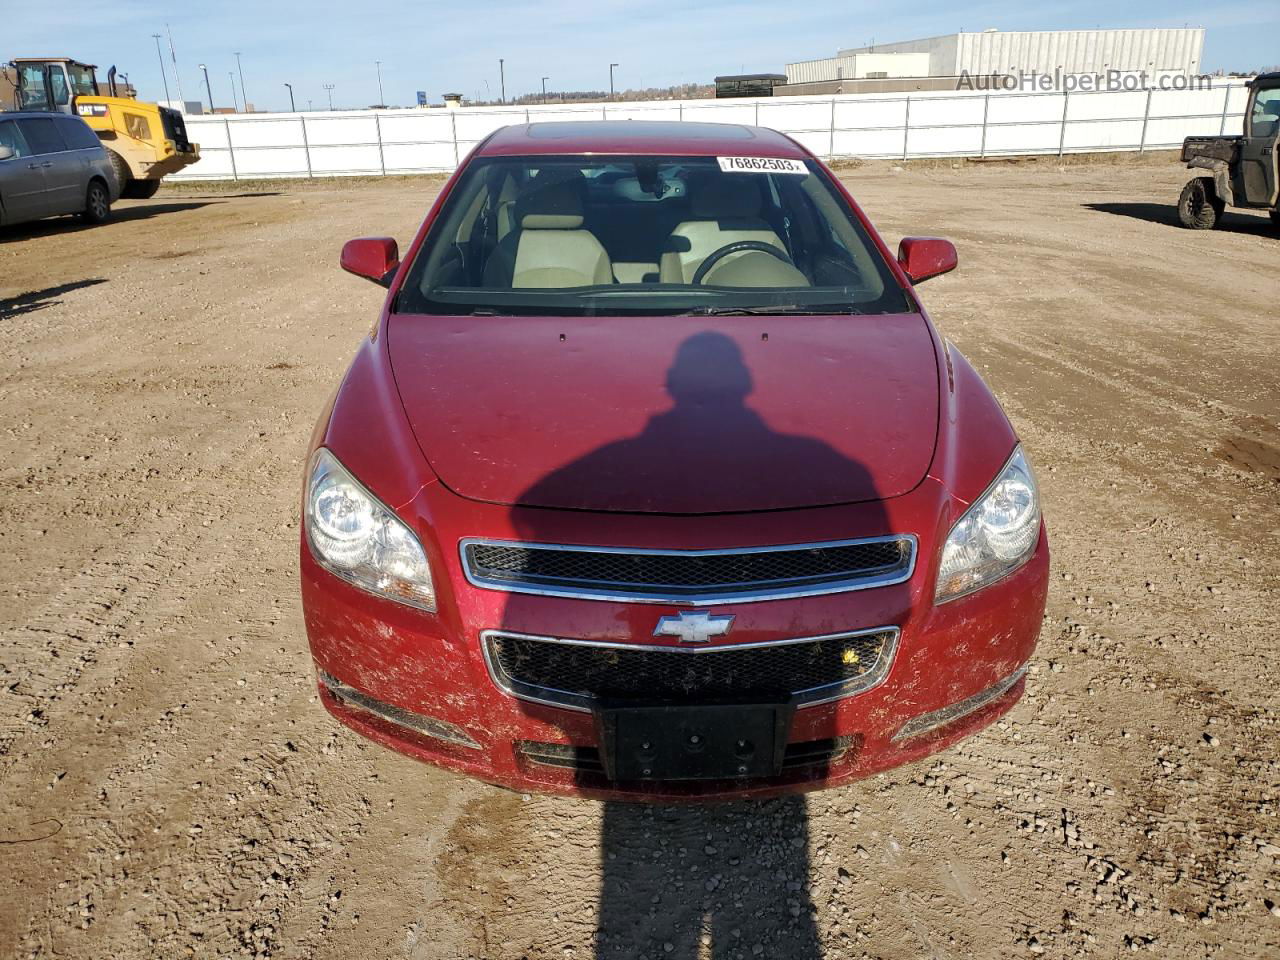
(422, 686)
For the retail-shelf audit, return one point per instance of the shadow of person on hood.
(726, 880)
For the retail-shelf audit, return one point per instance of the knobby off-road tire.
(140, 189)
(119, 168)
(1199, 207)
(97, 203)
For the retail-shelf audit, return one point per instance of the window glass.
(1266, 113)
(77, 133)
(82, 80)
(41, 134)
(619, 235)
(11, 136)
(31, 81)
(58, 84)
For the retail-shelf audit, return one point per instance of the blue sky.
(455, 47)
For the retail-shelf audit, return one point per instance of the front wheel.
(97, 203)
(1199, 207)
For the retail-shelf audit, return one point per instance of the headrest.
(726, 197)
(556, 205)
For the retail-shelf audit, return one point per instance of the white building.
(1157, 52)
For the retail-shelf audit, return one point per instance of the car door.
(63, 191)
(84, 152)
(22, 180)
(1258, 149)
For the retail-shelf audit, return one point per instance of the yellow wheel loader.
(144, 141)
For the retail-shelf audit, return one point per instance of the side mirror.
(375, 258)
(6, 153)
(925, 257)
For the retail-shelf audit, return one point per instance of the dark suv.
(53, 164)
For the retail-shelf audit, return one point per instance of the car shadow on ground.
(39, 299)
(55, 225)
(1166, 214)
(719, 880)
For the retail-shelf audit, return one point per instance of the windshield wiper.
(782, 310)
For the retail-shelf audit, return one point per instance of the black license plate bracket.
(704, 742)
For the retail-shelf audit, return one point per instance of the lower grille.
(689, 576)
(579, 674)
(809, 753)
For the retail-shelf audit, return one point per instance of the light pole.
(611, 66)
(293, 107)
(232, 77)
(329, 89)
(207, 89)
(243, 98)
(502, 81)
(544, 89)
(163, 76)
(382, 100)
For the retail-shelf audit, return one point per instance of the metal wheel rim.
(97, 202)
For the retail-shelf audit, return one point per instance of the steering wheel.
(738, 245)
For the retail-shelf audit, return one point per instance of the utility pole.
(329, 88)
(502, 81)
(293, 107)
(173, 54)
(207, 89)
(163, 77)
(611, 66)
(243, 98)
(382, 100)
(544, 89)
(232, 77)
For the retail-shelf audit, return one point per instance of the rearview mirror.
(375, 258)
(925, 257)
(6, 153)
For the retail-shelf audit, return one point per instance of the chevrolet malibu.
(654, 480)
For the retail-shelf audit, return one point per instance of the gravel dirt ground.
(171, 787)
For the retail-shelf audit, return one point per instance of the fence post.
(306, 147)
(231, 150)
(756, 122)
(680, 106)
(831, 150)
(986, 109)
(1062, 135)
(906, 128)
(377, 127)
(453, 125)
(1226, 102)
(1146, 115)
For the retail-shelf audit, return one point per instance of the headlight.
(356, 537)
(995, 536)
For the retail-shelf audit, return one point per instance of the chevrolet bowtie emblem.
(694, 627)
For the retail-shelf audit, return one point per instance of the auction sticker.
(761, 165)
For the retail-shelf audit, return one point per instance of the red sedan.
(654, 480)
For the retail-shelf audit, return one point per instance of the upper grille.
(689, 576)
(579, 674)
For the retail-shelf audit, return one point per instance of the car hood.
(676, 415)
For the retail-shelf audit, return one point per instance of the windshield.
(647, 235)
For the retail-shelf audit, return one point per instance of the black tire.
(1199, 207)
(140, 189)
(120, 169)
(1275, 218)
(97, 202)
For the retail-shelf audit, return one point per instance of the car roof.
(19, 114)
(644, 137)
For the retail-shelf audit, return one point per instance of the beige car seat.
(549, 249)
(726, 208)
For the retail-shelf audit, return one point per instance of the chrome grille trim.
(777, 589)
(810, 697)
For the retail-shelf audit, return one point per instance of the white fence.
(926, 124)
